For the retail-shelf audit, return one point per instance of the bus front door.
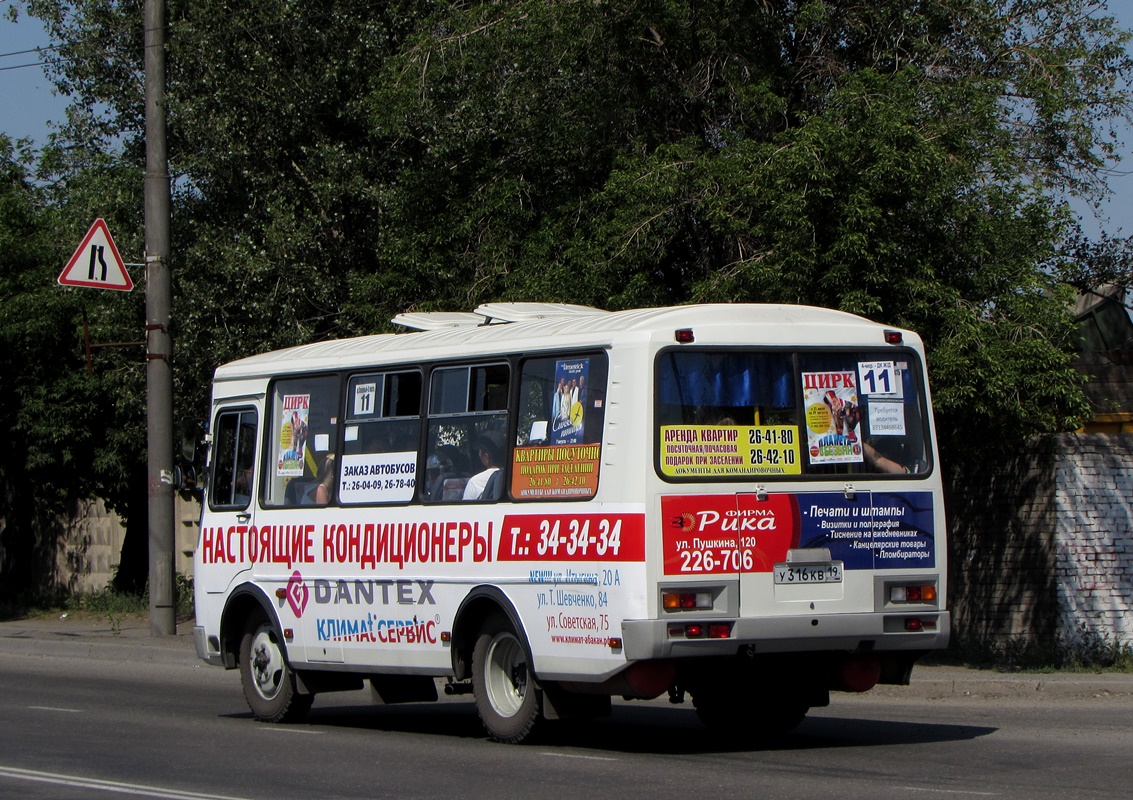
(228, 522)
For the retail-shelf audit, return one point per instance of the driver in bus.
(887, 465)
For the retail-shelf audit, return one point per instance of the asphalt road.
(175, 728)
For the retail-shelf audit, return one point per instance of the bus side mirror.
(192, 439)
(190, 466)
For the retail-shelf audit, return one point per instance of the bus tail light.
(915, 625)
(700, 630)
(719, 630)
(893, 337)
(913, 593)
(686, 601)
(684, 336)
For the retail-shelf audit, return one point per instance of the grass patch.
(109, 603)
(1082, 651)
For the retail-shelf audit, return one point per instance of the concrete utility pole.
(159, 343)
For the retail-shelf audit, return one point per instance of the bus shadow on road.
(644, 729)
(654, 729)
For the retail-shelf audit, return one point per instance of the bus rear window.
(727, 414)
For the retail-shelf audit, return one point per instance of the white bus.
(548, 505)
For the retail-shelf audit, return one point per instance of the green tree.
(274, 170)
(339, 160)
(69, 434)
(1093, 264)
(894, 159)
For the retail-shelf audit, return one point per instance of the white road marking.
(947, 791)
(275, 729)
(53, 708)
(107, 786)
(584, 758)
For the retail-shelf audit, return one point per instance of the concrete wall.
(1043, 547)
(1094, 542)
(91, 546)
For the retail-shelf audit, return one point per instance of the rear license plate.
(808, 573)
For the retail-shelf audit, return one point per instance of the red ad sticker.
(715, 534)
(572, 537)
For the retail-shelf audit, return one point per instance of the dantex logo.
(297, 593)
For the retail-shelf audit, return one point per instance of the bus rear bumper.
(651, 638)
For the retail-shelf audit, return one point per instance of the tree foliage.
(70, 433)
(893, 159)
(337, 161)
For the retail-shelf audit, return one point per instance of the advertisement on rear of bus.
(833, 417)
(715, 534)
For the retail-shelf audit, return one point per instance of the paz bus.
(549, 505)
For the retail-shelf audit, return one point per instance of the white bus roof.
(532, 327)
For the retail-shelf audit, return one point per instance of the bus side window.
(234, 458)
(302, 436)
(381, 437)
(562, 401)
(467, 442)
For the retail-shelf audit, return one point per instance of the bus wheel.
(268, 681)
(748, 720)
(502, 682)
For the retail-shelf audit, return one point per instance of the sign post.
(96, 263)
(159, 341)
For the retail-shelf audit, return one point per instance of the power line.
(25, 52)
(33, 64)
(37, 50)
(185, 26)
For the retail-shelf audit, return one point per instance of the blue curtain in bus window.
(782, 388)
(734, 382)
(669, 382)
(684, 379)
(727, 379)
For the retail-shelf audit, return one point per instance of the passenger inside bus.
(445, 476)
(324, 490)
(487, 484)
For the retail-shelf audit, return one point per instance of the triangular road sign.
(96, 263)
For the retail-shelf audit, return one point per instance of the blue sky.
(25, 93)
(30, 106)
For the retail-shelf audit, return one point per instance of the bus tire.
(267, 678)
(503, 683)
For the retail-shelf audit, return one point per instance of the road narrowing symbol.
(96, 263)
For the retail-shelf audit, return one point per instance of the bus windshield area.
(730, 414)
